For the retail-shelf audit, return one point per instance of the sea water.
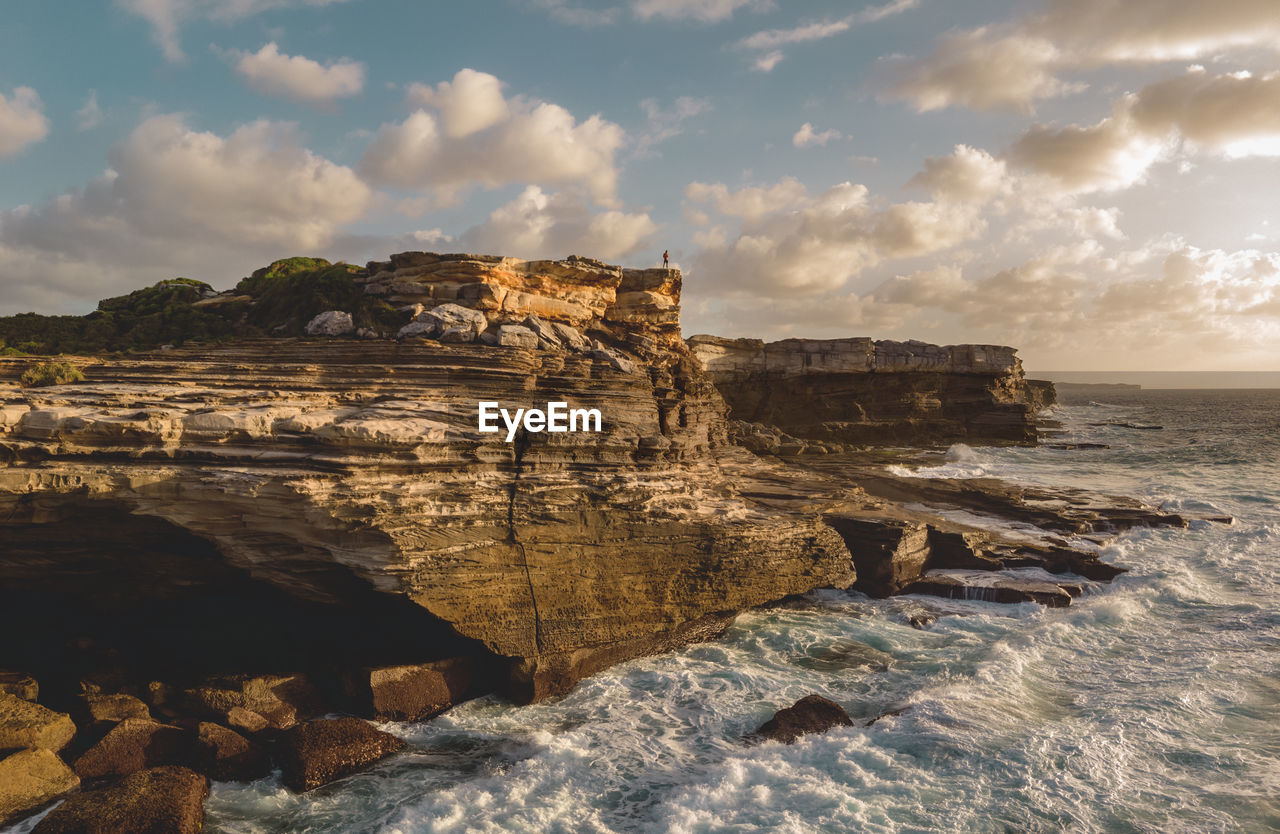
(1151, 704)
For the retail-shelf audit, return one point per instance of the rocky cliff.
(332, 469)
(859, 391)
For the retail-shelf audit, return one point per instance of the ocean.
(1151, 704)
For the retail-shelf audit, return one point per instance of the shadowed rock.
(132, 745)
(811, 714)
(408, 693)
(164, 800)
(318, 752)
(19, 684)
(227, 756)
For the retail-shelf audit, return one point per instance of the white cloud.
(749, 203)
(663, 124)
(22, 121)
(705, 11)
(179, 201)
(472, 102)
(769, 60)
(535, 143)
(272, 73)
(980, 72)
(167, 16)
(90, 115)
(1012, 66)
(1233, 115)
(541, 225)
(806, 136)
(565, 12)
(771, 41)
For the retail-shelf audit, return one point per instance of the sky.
(1091, 181)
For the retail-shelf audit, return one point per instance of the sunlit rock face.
(860, 391)
(331, 469)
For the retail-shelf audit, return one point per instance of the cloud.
(663, 124)
(974, 70)
(703, 11)
(441, 148)
(472, 102)
(1012, 66)
(272, 73)
(565, 12)
(167, 16)
(751, 203)
(541, 225)
(22, 121)
(806, 137)
(90, 115)
(771, 41)
(176, 200)
(1232, 115)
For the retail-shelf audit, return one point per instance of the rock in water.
(332, 323)
(318, 752)
(24, 724)
(132, 745)
(164, 800)
(227, 756)
(30, 780)
(811, 714)
(409, 693)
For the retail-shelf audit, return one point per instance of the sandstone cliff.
(859, 391)
(334, 468)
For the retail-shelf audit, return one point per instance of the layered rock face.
(340, 472)
(859, 391)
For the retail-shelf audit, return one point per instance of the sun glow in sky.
(1092, 181)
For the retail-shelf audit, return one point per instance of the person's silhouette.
(666, 260)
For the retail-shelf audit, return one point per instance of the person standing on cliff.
(666, 259)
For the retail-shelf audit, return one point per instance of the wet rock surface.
(164, 800)
(318, 752)
(811, 714)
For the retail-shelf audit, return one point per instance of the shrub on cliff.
(277, 300)
(51, 373)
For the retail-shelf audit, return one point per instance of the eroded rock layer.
(859, 391)
(329, 468)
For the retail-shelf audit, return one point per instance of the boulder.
(615, 360)
(25, 724)
(246, 720)
(514, 335)
(163, 800)
(103, 710)
(30, 780)
(569, 336)
(417, 330)
(547, 338)
(453, 315)
(318, 752)
(281, 699)
(19, 684)
(132, 745)
(458, 336)
(331, 323)
(227, 756)
(811, 714)
(409, 693)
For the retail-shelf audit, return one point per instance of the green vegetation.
(277, 300)
(51, 373)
